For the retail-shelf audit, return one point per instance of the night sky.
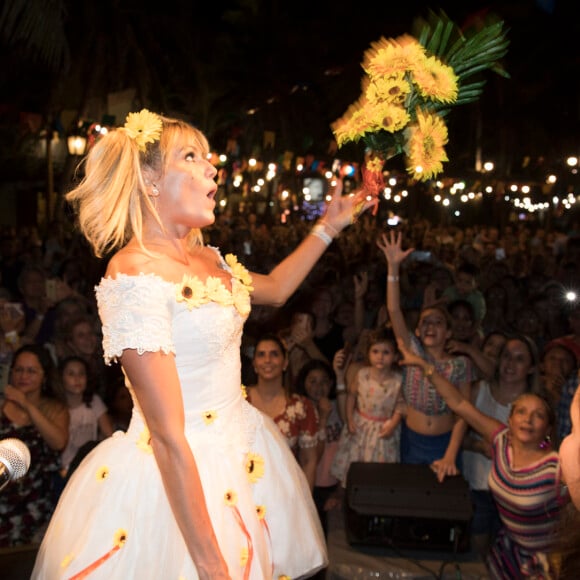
(294, 65)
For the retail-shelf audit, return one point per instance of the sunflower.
(191, 291)
(375, 163)
(217, 292)
(436, 80)
(433, 72)
(392, 56)
(143, 127)
(120, 538)
(144, 441)
(230, 498)
(239, 271)
(254, 467)
(425, 146)
(102, 473)
(241, 298)
(391, 89)
(67, 560)
(388, 116)
(209, 417)
(353, 124)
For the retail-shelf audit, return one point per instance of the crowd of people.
(456, 347)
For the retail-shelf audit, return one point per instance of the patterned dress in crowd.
(298, 422)
(375, 403)
(27, 503)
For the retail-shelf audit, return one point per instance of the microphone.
(14, 460)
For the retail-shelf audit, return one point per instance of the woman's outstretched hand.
(390, 244)
(344, 210)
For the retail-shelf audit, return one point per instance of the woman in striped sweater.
(524, 478)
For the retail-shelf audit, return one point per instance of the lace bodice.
(200, 323)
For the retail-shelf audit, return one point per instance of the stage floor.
(17, 563)
(346, 562)
(380, 563)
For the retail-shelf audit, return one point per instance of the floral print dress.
(27, 503)
(114, 519)
(375, 403)
(299, 423)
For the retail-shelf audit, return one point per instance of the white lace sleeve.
(136, 313)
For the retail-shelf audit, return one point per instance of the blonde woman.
(200, 485)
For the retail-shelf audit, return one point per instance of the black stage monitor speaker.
(404, 506)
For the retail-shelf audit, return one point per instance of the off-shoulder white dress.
(113, 520)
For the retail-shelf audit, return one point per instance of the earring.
(546, 442)
(155, 190)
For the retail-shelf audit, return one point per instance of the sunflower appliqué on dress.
(119, 540)
(246, 552)
(209, 417)
(102, 473)
(195, 293)
(144, 441)
(254, 467)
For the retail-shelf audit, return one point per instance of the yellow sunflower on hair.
(143, 127)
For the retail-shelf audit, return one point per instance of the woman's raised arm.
(391, 247)
(277, 286)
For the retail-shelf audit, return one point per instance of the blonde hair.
(111, 198)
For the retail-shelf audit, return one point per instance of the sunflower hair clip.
(143, 127)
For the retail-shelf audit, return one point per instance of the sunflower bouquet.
(410, 85)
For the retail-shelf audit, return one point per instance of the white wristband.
(340, 387)
(330, 227)
(320, 232)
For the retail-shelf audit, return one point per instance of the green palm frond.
(468, 53)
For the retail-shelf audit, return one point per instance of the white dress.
(83, 427)
(113, 520)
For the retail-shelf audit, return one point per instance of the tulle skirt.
(113, 520)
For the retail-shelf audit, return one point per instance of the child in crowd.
(317, 381)
(466, 288)
(374, 409)
(484, 358)
(431, 433)
(464, 326)
(89, 419)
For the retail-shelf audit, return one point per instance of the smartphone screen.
(419, 256)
